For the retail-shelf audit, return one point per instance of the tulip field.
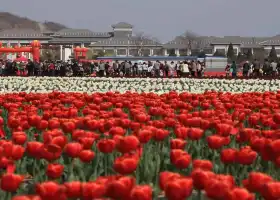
(140, 146)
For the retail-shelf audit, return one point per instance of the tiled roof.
(22, 33)
(180, 43)
(126, 42)
(245, 41)
(81, 33)
(122, 25)
(271, 41)
(73, 40)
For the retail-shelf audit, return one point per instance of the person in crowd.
(2, 68)
(199, 69)
(227, 70)
(135, 69)
(157, 68)
(166, 68)
(140, 69)
(172, 69)
(116, 68)
(193, 68)
(101, 68)
(178, 69)
(245, 68)
(185, 72)
(266, 68)
(273, 67)
(145, 69)
(107, 69)
(127, 69)
(52, 69)
(150, 69)
(256, 68)
(30, 67)
(233, 68)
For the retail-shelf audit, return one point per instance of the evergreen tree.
(249, 55)
(273, 54)
(219, 54)
(201, 54)
(230, 52)
(240, 57)
(172, 52)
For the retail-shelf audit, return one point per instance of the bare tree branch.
(192, 40)
(140, 41)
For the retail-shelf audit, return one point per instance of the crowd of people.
(185, 68)
(253, 69)
(103, 69)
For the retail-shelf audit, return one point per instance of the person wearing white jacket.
(185, 69)
(145, 69)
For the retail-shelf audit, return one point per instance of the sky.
(162, 19)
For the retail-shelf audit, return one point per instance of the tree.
(240, 57)
(191, 40)
(219, 54)
(272, 54)
(140, 40)
(172, 52)
(249, 55)
(230, 52)
(48, 54)
(90, 54)
(201, 54)
(259, 54)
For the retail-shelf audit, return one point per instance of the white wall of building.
(225, 47)
(277, 48)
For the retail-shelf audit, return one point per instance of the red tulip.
(106, 145)
(217, 188)
(117, 131)
(195, 133)
(33, 148)
(177, 143)
(271, 191)
(73, 149)
(256, 180)
(120, 188)
(86, 156)
(228, 156)
(26, 197)
(19, 138)
(11, 182)
(239, 194)
(87, 142)
(17, 152)
(73, 189)
(125, 164)
(200, 178)
(215, 141)
(142, 192)
(50, 190)
(246, 156)
(68, 127)
(54, 171)
(145, 136)
(92, 190)
(160, 134)
(202, 164)
(181, 132)
(179, 189)
(180, 158)
(127, 144)
(166, 176)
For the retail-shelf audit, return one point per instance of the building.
(122, 41)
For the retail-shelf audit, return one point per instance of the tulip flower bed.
(219, 146)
